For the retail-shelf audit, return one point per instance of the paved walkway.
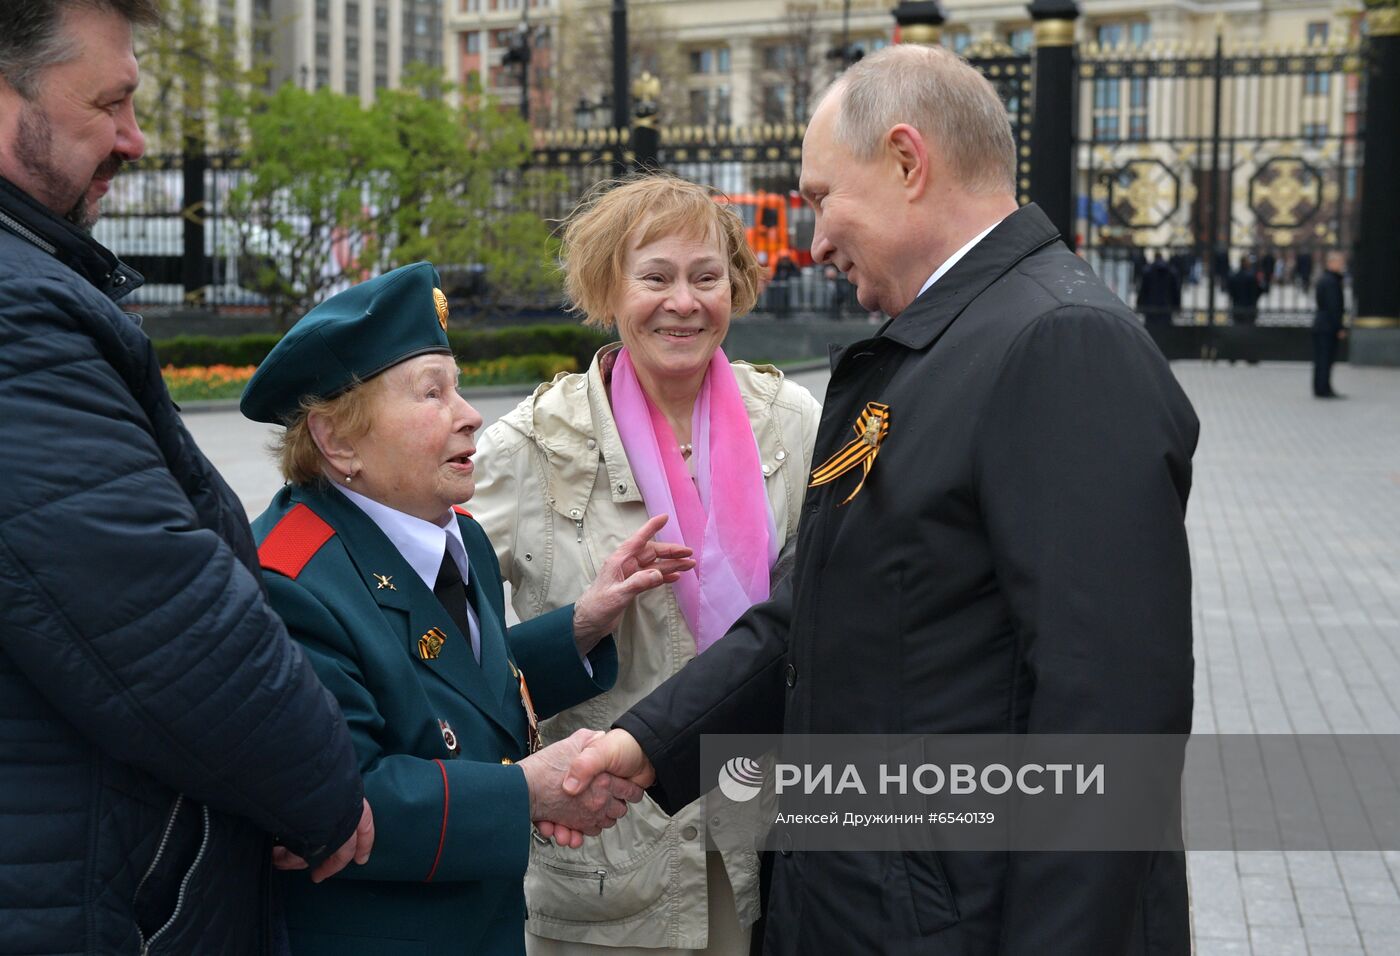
(1295, 537)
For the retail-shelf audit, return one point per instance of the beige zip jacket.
(556, 496)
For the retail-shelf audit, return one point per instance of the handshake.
(581, 785)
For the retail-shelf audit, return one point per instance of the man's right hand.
(356, 848)
(615, 752)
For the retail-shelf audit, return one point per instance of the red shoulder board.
(462, 511)
(294, 541)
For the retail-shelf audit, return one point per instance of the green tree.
(335, 193)
(194, 74)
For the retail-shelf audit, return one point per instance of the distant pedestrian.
(1267, 264)
(1245, 289)
(1302, 270)
(1327, 330)
(1158, 292)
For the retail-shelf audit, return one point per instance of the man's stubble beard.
(34, 151)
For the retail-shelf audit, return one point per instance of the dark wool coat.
(1015, 563)
(139, 659)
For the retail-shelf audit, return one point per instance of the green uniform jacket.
(452, 829)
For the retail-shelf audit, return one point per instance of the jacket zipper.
(160, 852)
(578, 527)
(602, 875)
(184, 885)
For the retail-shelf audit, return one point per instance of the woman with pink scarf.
(662, 423)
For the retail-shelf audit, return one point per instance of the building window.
(352, 48)
(381, 18)
(1021, 39)
(1106, 110)
(722, 113)
(323, 45)
(776, 57)
(700, 61)
(381, 82)
(262, 8)
(352, 14)
(381, 53)
(700, 107)
(323, 77)
(1133, 33)
(957, 40)
(1137, 108)
(777, 103)
(323, 9)
(1317, 84)
(473, 41)
(1314, 133)
(722, 59)
(352, 83)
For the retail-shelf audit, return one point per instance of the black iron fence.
(1237, 169)
(1212, 183)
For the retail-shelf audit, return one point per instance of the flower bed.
(207, 382)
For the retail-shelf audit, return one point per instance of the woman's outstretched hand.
(638, 565)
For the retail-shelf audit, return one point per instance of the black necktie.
(451, 592)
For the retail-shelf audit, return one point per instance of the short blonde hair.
(349, 414)
(617, 214)
(943, 97)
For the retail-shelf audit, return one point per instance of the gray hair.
(941, 96)
(32, 37)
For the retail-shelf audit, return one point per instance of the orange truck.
(776, 225)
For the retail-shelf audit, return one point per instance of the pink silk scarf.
(722, 514)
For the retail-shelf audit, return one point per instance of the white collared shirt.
(953, 259)
(421, 544)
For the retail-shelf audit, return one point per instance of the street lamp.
(847, 52)
(519, 54)
(589, 113)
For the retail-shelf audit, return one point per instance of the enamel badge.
(449, 738)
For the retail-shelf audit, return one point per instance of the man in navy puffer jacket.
(158, 729)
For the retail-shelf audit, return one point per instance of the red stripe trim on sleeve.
(294, 541)
(442, 837)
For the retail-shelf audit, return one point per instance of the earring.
(349, 478)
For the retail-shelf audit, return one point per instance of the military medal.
(430, 644)
(529, 706)
(449, 738)
(871, 429)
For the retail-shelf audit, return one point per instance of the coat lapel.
(412, 610)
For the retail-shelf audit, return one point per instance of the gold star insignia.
(384, 582)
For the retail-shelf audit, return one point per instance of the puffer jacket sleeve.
(130, 615)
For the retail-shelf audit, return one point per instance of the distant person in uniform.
(1327, 329)
(396, 596)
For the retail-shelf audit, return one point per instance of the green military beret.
(353, 335)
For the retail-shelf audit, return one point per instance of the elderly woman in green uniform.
(395, 595)
(662, 424)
